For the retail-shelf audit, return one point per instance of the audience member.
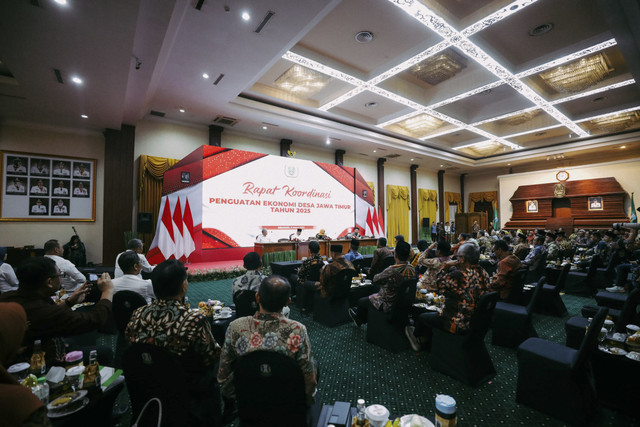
(8, 279)
(353, 253)
(330, 272)
(75, 251)
(379, 255)
(508, 266)
(423, 249)
(268, 330)
(462, 282)
(136, 246)
(18, 405)
(49, 322)
(313, 260)
(388, 281)
(130, 264)
(250, 281)
(522, 248)
(534, 256)
(71, 277)
(432, 266)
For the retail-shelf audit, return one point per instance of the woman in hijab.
(18, 405)
(8, 279)
(75, 251)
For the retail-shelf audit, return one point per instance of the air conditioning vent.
(392, 156)
(223, 120)
(157, 113)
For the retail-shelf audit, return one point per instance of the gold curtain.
(398, 206)
(373, 189)
(451, 199)
(427, 204)
(488, 196)
(150, 177)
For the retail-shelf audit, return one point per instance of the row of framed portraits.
(593, 204)
(41, 187)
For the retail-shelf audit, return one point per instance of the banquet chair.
(270, 390)
(536, 270)
(512, 323)
(245, 302)
(550, 302)
(333, 310)
(465, 357)
(575, 326)
(387, 329)
(304, 294)
(517, 284)
(123, 306)
(556, 379)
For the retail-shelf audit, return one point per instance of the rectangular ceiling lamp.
(579, 75)
(616, 122)
(440, 67)
(301, 81)
(421, 125)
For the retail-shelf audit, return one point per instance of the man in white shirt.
(60, 208)
(80, 190)
(131, 266)
(296, 236)
(16, 167)
(39, 189)
(262, 238)
(60, 190)
(16, 187)
(136, 246)
(81, 172)
(39, 208)
(71, 277)
(39, 168)
(61, 170)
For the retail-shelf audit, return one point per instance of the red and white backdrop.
(216, 201)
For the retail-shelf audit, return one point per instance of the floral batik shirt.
(266, 331)
(461, 289)
(172, 325)
(389, 281)
(305, 268)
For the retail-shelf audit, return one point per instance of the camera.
(619, 225)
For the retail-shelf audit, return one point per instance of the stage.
(214, 265)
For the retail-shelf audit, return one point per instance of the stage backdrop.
(216, 201)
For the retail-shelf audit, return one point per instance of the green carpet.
(351, 368)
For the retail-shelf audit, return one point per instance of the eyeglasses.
(61, 275)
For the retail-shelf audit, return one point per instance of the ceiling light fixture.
(364, 37)
(411, 160)
(371, 105)
(616, 122)
(541, 29)
(77, 80)
(418, 126)
(84, 116)
(301, 81)
(245, 16)
(440, 67)
(578, 76)
(328, 141)
(182, 110)
(264, 127)
(374, 151)
(61, 2)
(205, 75)
(622, 147)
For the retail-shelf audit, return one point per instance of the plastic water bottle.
(445, 411)
(360, 417)
(186, 301)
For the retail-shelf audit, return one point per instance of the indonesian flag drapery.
(165, 236)
(187, 231)
(374, 224)
(177, 231)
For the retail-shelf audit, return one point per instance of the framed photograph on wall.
(595, 203)
(42, 187)
(531, 206)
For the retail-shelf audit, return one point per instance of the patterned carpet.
(351, 369)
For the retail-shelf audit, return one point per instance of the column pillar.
(381, 199)
(215, 135)
(118, 189)
(340, 157)
(441, 196)
(462, 176)
(414, 204)
(285, 147)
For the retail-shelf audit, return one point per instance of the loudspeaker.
(145, 222)
(425, 222)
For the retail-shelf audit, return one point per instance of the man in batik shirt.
(462, 282)
(553, 250)
(389, 281)
(250, 281)
(268, 330)
(508, 266)
(433, 265)
(331, 271)
(522, 248)
(311, 262)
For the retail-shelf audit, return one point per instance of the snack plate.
(633, 355)
(405, 421)
(613, 350)
(64, 413)
(73, 397)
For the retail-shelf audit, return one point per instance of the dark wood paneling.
(118, 188)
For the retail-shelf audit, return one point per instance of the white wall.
(627, 172)
(33, 138)
(162, 139)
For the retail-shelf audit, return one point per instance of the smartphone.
(93, 277)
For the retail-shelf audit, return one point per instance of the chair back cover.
(515, 294)
(246, 304)
(562, 278)
(536, 295)
(151, 371)
(269, 389)
(342, 284)
(357, 264)
(314, 272)
(405, 297)
(481, 319)
(124, 304)
(590, 340)
(628, 310)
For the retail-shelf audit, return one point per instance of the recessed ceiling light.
(508, 164)
(84, 116)
(375, 151)
(205, 76)
(364, 37)
(61, 2)
(246, 16)
(77, 80)
(182, 110)
(623, 147)
(599, 99)
(371, 104)
(328, 141)
(264, 127)
(540, 133)
(541, 29)
(441, 166)
(485, 92)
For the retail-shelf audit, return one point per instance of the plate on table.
(612, 350)
(633, 355)
(68, 403)
(405, 421)
(224, 316)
